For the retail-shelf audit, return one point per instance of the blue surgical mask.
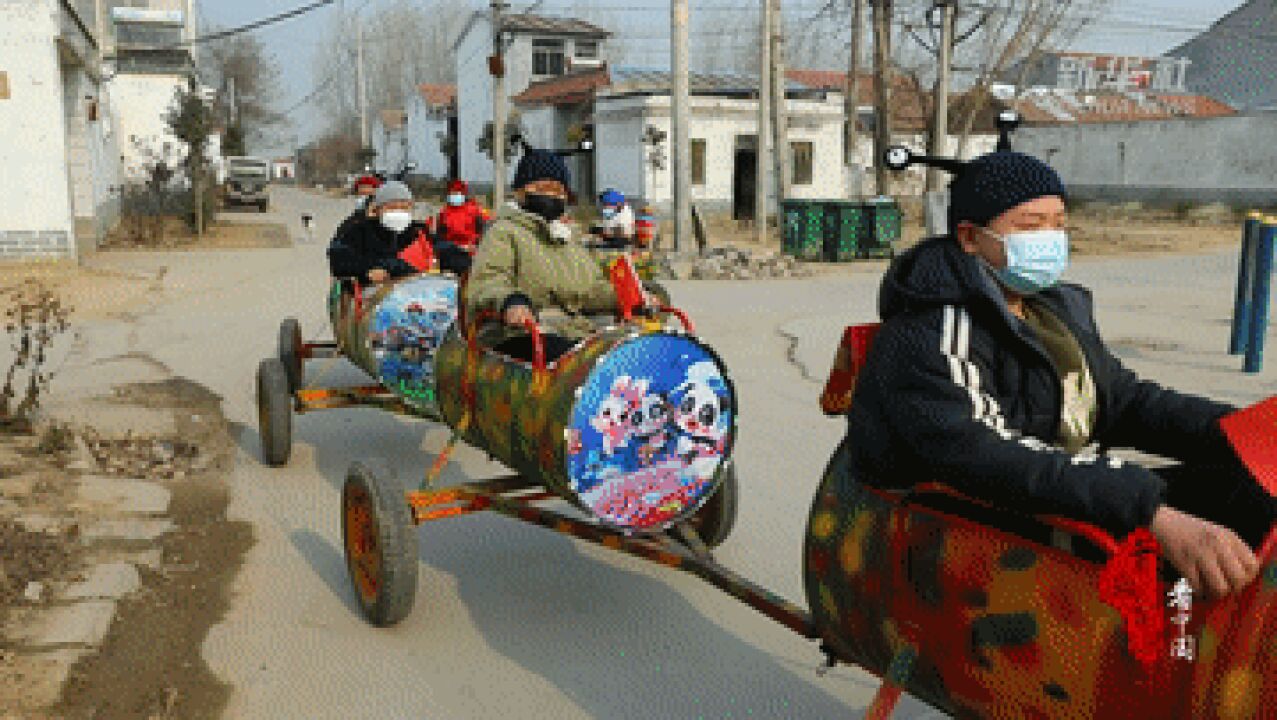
(456, 199)
(1035, 260)
(609, 212)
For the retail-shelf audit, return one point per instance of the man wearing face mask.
(989, 374)
(618, 218)
(462, 221)
(529, 265)
(369, 248)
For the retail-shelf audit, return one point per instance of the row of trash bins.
(840, 230)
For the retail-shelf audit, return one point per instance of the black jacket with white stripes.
(957, 389)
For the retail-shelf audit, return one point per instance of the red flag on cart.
(420, 254)
(625, 280)
(1253, 434)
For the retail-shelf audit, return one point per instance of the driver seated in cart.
(371, 249)
(990, 374)
(530, 267)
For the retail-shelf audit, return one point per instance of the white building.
(283, 169)
(389, 137)
(149, 71)
(58, 144)
(629, 115)
(432, 119)
(537, 48)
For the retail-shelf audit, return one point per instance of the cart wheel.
(381, 549)
(290, 352)
(716, 518)
(274, 412)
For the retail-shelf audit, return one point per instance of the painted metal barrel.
(965, 611)
(393, 331)
(634, 428)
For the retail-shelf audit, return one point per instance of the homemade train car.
(634, 425)
(985, 613)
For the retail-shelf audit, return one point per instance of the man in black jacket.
(991, 376)
(368, 248)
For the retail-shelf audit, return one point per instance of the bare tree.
(1014, 33)
(406, 43)
(247, 78)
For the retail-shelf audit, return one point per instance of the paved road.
(515, 622)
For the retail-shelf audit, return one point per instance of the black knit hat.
(992, 184)
(541, 165)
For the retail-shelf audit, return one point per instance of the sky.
(1125, 29)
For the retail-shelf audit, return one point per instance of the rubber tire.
(396, 539)
(717, 517)
(290, 348)
(274, 412)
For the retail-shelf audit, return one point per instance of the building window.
(698, 162)
(587, 50)
(547, 57)
(802, 155)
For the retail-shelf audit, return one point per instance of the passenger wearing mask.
(364, 188)
(990, 373)
(372, 249)
(618, 218)
(529, 267)
(462, 221)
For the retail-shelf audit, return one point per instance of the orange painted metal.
(884, 702)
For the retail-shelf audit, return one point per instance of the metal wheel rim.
(363, 555)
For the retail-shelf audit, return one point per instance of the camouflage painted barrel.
(632, 428)
(396, 333)
(996, 625)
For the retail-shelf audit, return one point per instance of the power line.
(256, 25)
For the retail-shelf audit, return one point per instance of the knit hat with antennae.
(992, 184)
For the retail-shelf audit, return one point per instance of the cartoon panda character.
(617, 415)
(652, 429)
(701, 410)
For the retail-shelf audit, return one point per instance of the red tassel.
(1128, 584)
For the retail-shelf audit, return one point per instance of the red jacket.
(462, 224)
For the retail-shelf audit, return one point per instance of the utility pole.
(496, 68)
(681, 102)
(764, 122)
(780, 120)
(232, 107)
(944, 9)
(882, 93)
(851, 101)
(362, 89)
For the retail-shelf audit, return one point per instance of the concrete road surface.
(513, 621)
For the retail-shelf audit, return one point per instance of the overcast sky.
(1125, 30)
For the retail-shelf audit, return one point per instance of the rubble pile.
(143, 457)
(731, 263)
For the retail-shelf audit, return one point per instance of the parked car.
(247, 182)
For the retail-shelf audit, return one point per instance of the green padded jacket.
(562, 280)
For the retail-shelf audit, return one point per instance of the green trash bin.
(884, 221)
(803, 235)
(846, 229)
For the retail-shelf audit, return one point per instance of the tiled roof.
(438, 95)
(580, 86)
(551, 25)
(1234, 59)
(571, 88)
